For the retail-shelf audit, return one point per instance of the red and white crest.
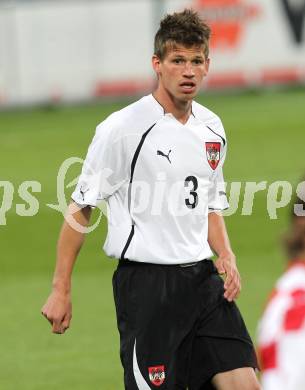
(213, 153)
(157, 375)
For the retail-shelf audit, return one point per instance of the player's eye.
(198, 61)
(177, 61)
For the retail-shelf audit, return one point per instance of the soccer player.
(158, 163)
(281, 334)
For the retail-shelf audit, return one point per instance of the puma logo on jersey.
(160, 153)
(83, 192)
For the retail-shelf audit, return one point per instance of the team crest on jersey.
(213, 153)
(157, 375)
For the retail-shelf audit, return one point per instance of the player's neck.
(298, 260)
(181, 110)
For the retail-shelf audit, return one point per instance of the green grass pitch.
(266, 143)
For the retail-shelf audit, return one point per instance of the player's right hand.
(58, 311)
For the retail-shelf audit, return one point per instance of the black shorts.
(176, 329)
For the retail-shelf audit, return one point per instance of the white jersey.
(281, 334)
(160, 179)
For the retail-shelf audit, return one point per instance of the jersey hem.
(162, 262)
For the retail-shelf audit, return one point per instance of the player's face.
(182, 70)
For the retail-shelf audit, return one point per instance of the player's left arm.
(226, 262)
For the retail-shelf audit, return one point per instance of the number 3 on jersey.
(191, 202)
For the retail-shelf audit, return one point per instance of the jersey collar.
(161, 108)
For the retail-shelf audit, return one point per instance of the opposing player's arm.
(58, 307)
(225, 263)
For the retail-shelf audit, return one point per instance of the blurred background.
(65, 66)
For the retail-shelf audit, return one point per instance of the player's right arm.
(58, 307)
(104, 171)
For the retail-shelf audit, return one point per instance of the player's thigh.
(222, 342)
(239, 379)
(157, 307)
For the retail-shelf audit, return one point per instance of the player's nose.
(188, 70)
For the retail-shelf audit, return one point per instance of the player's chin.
(187, 96)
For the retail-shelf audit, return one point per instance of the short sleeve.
(217, 191)
(104, 170)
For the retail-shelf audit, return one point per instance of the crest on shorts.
(213, 153)
(157, 375)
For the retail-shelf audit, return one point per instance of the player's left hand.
(226, 264)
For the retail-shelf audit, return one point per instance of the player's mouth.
(188, 86)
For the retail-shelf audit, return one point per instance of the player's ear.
(156, 64)
(207, 66)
